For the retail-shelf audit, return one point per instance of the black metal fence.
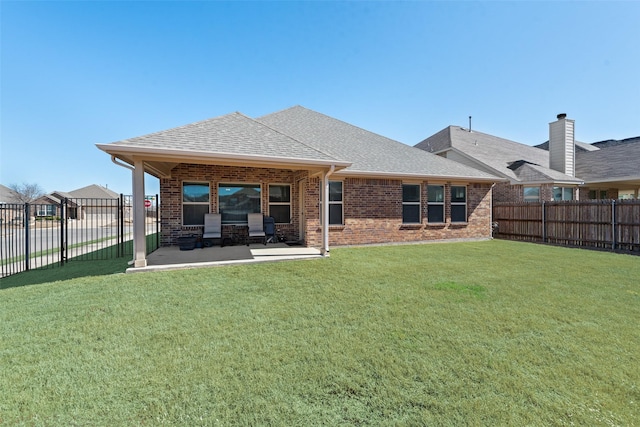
(50, 235)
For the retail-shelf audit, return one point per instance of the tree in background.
(27, 193)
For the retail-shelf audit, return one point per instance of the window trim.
(440, 204)
(270, 203)
(412, 203)
(466, 197)
(245, 184)
(183, 203)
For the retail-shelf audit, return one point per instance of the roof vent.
(561, 116)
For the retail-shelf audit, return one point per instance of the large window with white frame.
(195, 202)
(531, 194)
(280, 203)
(458, 203)
(562, 193)
(410, 203)
(235, 201)
(335, 203)
(435, 204)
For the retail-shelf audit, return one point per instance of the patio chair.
(212, 229)
(256, 227)
(270, 229)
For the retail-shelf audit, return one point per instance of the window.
(458, 203)
(531, 194)
(435, 203)
(46, 210)
(335, 203)
(562, 193)
(235, 201)
(280, 203)
(598, 194)
(195, 202)
(410, 203)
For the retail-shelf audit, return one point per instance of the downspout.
(132, 169)
(325, 211)
(491, 208)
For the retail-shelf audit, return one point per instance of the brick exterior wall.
(372, 208)
(171, 195)
(505, 192)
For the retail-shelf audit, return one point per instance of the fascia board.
(529, 183)
(622, 178)
(416, 176)
(181, 156)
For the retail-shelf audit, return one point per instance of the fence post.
(613, 224)
(27, 237)
(544, 223)
(64, 233)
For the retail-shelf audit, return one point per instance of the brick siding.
(372, 207)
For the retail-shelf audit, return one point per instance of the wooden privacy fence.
(604, 224)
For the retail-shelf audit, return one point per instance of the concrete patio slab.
(172, 258)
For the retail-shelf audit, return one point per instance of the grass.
(485, 333)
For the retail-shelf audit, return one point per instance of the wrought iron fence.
(48, 235)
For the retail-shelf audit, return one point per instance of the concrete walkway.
(172, 258)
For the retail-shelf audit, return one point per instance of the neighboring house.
(303, 167)
(49, 205)
(570, 170)
(612, 171)
(94, 203)
(9, 213)
(8, 196)
(99, 204)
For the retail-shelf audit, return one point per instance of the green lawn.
(484, 333)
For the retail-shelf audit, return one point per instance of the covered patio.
(172, 258)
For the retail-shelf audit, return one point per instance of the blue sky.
(74, 74)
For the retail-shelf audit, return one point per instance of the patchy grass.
(486, 333)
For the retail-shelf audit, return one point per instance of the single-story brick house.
(300, 166)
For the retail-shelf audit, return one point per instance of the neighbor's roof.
(8, 196)
(580, 146)
(94, 191)
(369, 153)
(616, 162)
(497, 154)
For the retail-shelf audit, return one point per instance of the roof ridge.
(291, 137)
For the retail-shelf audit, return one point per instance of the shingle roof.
(8, 196)
(368, 152)
(580, 146)
(233, 133)
(618, 161)
(497, 154)
(613, 142)
(94, 191)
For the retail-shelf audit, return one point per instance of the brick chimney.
(562, 150)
